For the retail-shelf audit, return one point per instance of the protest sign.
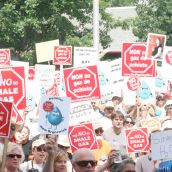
(54, 114)
(167, 62)
(146, 90)
(81, 112)
(82, 83)
(116, 78)
(151, 124)
(137, 140)
(131, 85)
(44, 78)
(106, 88)
(12, 87)
(5, 57)
(31, 73)
(63, 55)
(16, 116)
(155, 46)
(82, 136)
(5, 117)
(161, 145)
(45, 50)
(85, 56)
(134, 61)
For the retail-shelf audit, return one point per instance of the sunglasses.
(128, 122)
(85, 163)
(97, 131)
(14, 155)
(40, 149)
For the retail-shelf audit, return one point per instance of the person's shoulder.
(108, 130)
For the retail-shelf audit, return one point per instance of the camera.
(32, 170)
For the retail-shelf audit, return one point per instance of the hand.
(51, 145)
(112, 156)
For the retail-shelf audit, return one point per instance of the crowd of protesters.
(50, 153)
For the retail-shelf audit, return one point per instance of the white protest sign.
(82, 112)
(116, 74)
(85, 56)
(44, 77)
(161, 145)
(106, 87)
(161, 82)
(167, 62)
(45, 50)
(130, 86)
(54, 114)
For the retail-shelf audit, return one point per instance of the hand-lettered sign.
(161, 145)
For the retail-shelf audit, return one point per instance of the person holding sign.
(57, 158)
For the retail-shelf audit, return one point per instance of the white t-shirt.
(28, 165)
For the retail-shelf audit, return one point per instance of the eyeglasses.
(129, 122)
(99, 130)
(85, 163)
(14, 155)
(40, 149)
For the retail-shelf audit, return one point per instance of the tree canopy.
(26, 22)
(154, 16)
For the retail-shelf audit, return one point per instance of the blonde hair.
(61, 155)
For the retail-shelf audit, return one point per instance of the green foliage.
(118, 3)
(26, 22)
(154, 16)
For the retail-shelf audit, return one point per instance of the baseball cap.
(38, 143)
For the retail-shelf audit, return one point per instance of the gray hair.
(15, 146)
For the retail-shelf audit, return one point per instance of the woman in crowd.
(14, 157)
(56, 159)
(159, 106)
(128, 122)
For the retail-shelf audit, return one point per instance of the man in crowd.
(39, 155)
(83, 160)
(115, 135)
